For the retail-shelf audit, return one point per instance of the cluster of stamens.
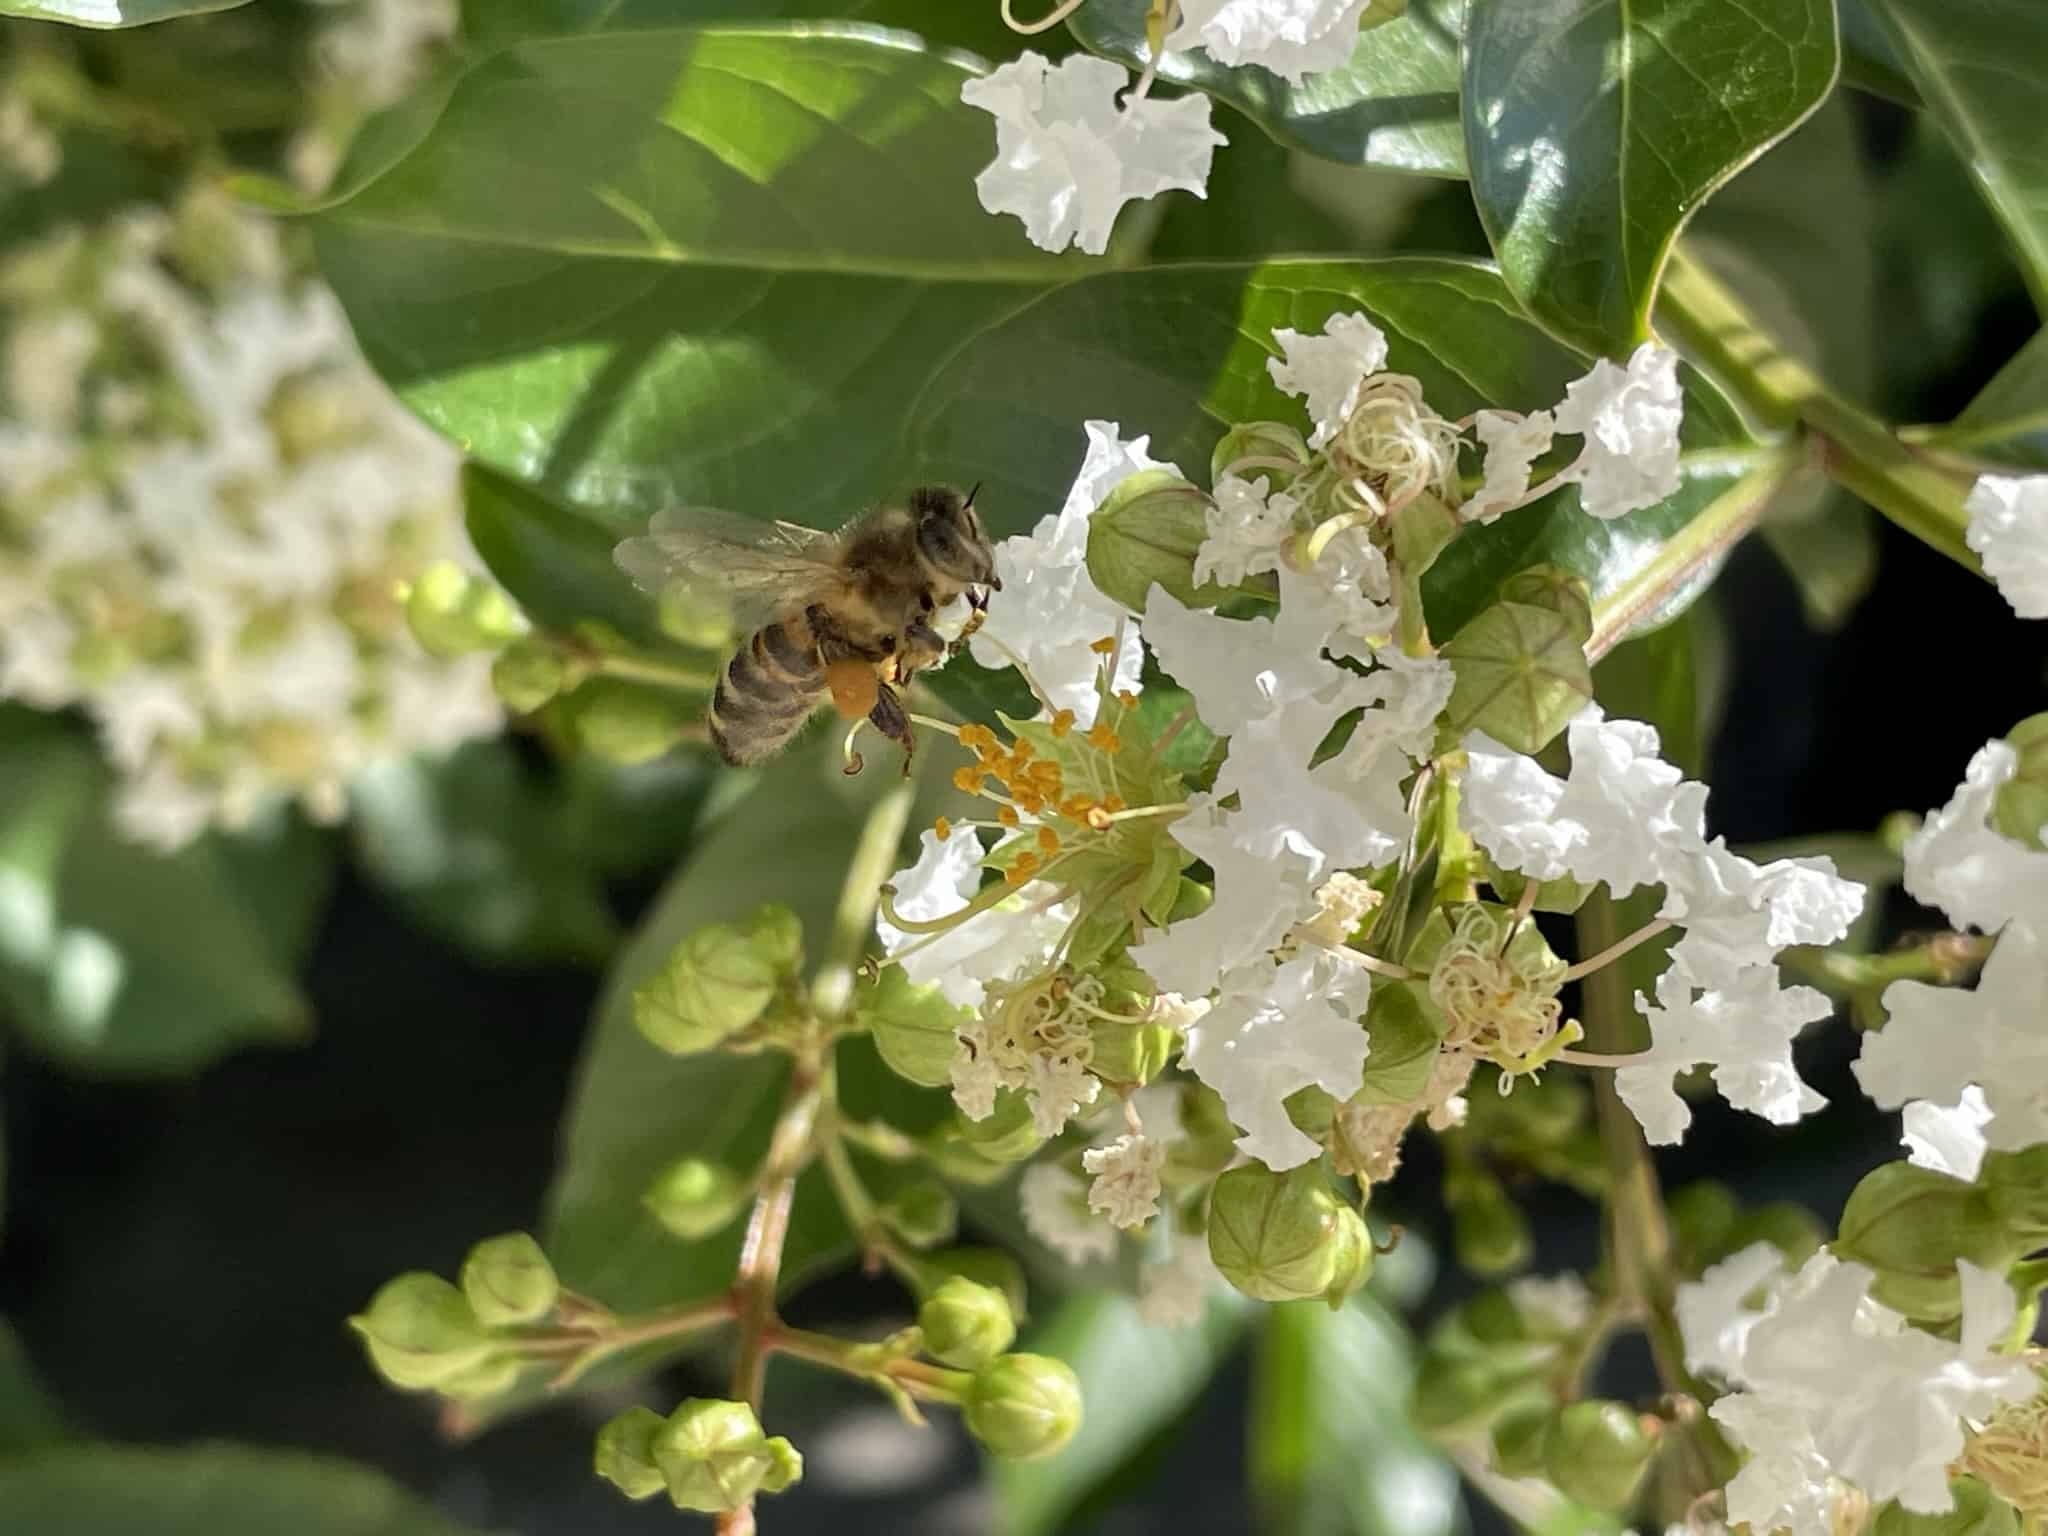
(2010, 1453)
(1392, 448)
(1032, 1036)
(1496, 1005)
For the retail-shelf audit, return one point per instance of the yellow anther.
(967, 780)
(1113, 803)
(977, 738)
(1008, 816)
(1025, 867)
(1103, 646)
(943, 827)
(1022, 752)
(1128, 699)
(1076, 807)
(1103, 739)
(1048, 840)
(1062, 722)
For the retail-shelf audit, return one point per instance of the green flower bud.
(1286, 1236)
(694, 1198)
(715, 1457)
(1007, 1135)
(2020, 809)
(527, 674)
(1023, 1406)
(1978, 1512)
(1521, 1439)
(625, 1453)
(1792, 1229)
(1521, 675)
(1702, 1214)
(508, 1280)
(914, 1028)
(1563, 592)
(630, 723)
(1454, 1395)
(1490, 1232)
(1492, 1317)
(965, 1324)
(923, 1214)
(1264, 443)
(452, 613)
(957, 1162)
(1129, 1053)
(1191, 899)
(1597, 1453)
(420, 1332)
(992, 1268)
(1911, 1225)
(488, 1379)
(1148, 531)
(718, 981)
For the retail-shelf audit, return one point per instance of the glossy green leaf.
(1869, 61)
(1394, 105)
(2007, 424)
(1330, 1446)
(29, 1420)
(1135, 1380)
(490, 23)
(112, 13)
(1594, 128)
(207, 1490)
(1979, 66)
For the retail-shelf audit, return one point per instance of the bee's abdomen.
(768, 690)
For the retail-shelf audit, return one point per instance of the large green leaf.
(1979, 65)
(1869, 61)
(1330, 1447)
(489, 23)
(1594, 128)
(1135, 1380)
(2008, 422)
(208, 1490)
(1395, 104)
(112, 13)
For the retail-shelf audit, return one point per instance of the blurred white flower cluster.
(207, 506)
(366, 54)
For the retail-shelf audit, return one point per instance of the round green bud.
(630, 723)
(1146, 532)
(508, 1280)
(1597, 1454)
(1006, 1135)
(694, 1198)
(1023, 1406)
(1978, 1512)
(718, 981)
(1286, 1236)
(2020, 808)
(527, 674)
(923, 1214)
(1703, 1214)
(1492, 1317)
(625, 1453)
(452, 613)
(1521, 1439)
(993, 1268)
(1491, 1234)
(1264, 442)
(715, 1458)
(1552, 586)
(966, 1325)
(1191, 898)
(1129, 1053)
(420, 1332)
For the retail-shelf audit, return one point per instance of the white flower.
(1051, 613)
(1958, 862)
(1513, 443)
(1948, 1138)
(995, 945)
(1327, 370)
(1292, 38)
(1054, 1203)
(1629, 418)
(1553, 1305)
(1126, 1187)
(1713, 1312)
(1744, 1032)
(1247, 526)
(1344, 602)
(1068, 157)
(1239, 670)
(1175, 1292)
(2009, 530)
(1276, 1029)
(1942, 1041)
(1785, 1485)
(1738, 914)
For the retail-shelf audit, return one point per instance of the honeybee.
(843, 615)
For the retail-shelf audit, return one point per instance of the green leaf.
(1135, 1379)
(207, 1490)
(556, 560)
(1330, 1446)
(478, 848)
(29, 1420)
(1979, 64)
(2007, 424)
(1595, 127)
(1869, 61)
(1394, 105)
(1655, 677)
(112, 13)
(490, 23)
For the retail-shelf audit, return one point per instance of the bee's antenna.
(971, 495)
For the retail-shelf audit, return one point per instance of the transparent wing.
(751, 568)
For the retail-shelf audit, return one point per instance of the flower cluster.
(366, 54)
(207, 506)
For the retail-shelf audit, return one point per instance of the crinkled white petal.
(1247, 525)
(1713, 1312)
(1126, 1187)
(1959, 863)
(1326, 370)
(1513, 443)
(1629, 418)
(2009, 531)
(992, 946)
(1785, 1484)
(1292, 38)
(1055, 1208)
(1744, 1032)
(1948, 1138)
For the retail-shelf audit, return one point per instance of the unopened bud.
(487, 1379)
(715, 1457)
(1521, 1439)
(923, 1214)
(1521, 675)
(1454, 1395)
(2020, 808)
(1023, 1406)
(1561, 591)
(965, 1324)
(625, 1453)
(1490, 1233)
(1255, 448)
(1597, 1453)
(1286, 1236)
(993, 1268)
(1148, 531)
(1977, 1512)
(508, 1280)
(452, 613)
(1911, 1225)
(695, 1197)
(421, 1333)
(527, 674)
(630, 723)
(718, 981)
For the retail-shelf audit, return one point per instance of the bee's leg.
(889, 718)
(977, 600)
(922, 645)
(836, 644)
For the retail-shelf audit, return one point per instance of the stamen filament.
(988, 896)
(1045, 23)
(933, 723)
(1392, 969)
(1617, 949)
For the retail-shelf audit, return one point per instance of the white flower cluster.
(2009, 531)
(366, 54)
(1627, 819)
(207, 503)
(1971, 1067)
(1835, 1389)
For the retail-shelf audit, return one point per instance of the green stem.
(1856, 449)
(669, 1323)
(854, 1200)
(928, 1383)
(760, 1265)
(642, 669)
(874, 858)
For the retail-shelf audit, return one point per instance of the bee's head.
(950, 536)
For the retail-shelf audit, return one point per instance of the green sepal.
(915, 1029)
(1406, 1031)
(1521, 1438)
(1266, 440)
(1521, 675)
(1563, 592)
(1911, 1225)
(715, 1458)
(2020, 808)
(1147, 532)
(1978, 1512)
(966, 1324)
(1597, 1453)
(719, 981)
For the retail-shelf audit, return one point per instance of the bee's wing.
(753, 569)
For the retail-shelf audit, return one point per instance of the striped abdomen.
(768, 690)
